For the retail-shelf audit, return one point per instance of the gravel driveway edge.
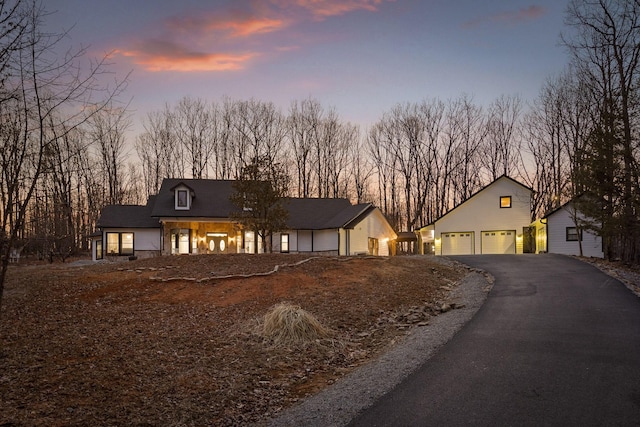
(338, 404)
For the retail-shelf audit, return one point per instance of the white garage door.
(499, 242)
(459, 243)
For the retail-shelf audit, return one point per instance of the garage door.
(499, 242)
(459, 243)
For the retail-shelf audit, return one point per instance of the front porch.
(205, 237)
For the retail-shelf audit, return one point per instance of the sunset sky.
(360, 56)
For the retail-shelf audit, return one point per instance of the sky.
(361, 57)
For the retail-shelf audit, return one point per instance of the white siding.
(557, 243)
(304, 241)
(325, 240)
(483, 212)
(374, 226)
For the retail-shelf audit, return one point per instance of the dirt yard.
(164, 342)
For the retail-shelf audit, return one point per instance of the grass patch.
(289, 325)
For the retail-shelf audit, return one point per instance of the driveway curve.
(556, 343)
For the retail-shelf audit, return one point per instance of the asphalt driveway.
(557, 343)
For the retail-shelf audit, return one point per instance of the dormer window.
(182, 199)
(183, 196)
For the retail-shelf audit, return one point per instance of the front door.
(217, 243)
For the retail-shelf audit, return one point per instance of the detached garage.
(492, 221)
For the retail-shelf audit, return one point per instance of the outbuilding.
(559, 232)
(494, 220)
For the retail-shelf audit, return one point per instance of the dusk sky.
(360, 56)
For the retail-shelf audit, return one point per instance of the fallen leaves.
(105, 344)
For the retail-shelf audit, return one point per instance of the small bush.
(289, 325)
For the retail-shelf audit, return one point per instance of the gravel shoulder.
(338, 404)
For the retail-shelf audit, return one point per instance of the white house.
(126, 230)
(495, 220)
(334, 226)
(190, 216)
(558, 233)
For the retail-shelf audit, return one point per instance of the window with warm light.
(505, 201)
(120, 243)
(98, 249)
(284, 243)
(113, 243)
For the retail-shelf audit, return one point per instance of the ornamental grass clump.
(289, 325)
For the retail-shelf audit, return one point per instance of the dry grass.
(289, 325)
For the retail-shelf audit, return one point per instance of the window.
(126, 243)
(373, 246)
(113, 243)
(572, 234)
(505, 201)
(120, 243)
(99, 249)
(284, 242)
(182, 198)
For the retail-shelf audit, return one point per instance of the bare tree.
(362, 169)
(156, 149)
(46, 91)
(107, 130)
(194, 127)
(303, 123)
(258, 133)
(605, 47)
(501, 148)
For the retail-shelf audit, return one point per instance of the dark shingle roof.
(128, 216)
(320, 214)
(211, 198)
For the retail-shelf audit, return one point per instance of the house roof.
(321, 214)
(128, 216)
(211, 198)
(569, 202)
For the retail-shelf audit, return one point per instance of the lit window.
(120, 243)
(505, 201)
(284, 243)
(98, 249)
(572, 234)
(126, 247)
(113, 243)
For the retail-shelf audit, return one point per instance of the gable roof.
(128, 216)
(211, 198)
(564, 205)
(321, 214)
(478, 192)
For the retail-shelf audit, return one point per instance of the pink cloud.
(322, 9)
(165, 56)
(510, 17)
(229, 39)
(239, 26)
